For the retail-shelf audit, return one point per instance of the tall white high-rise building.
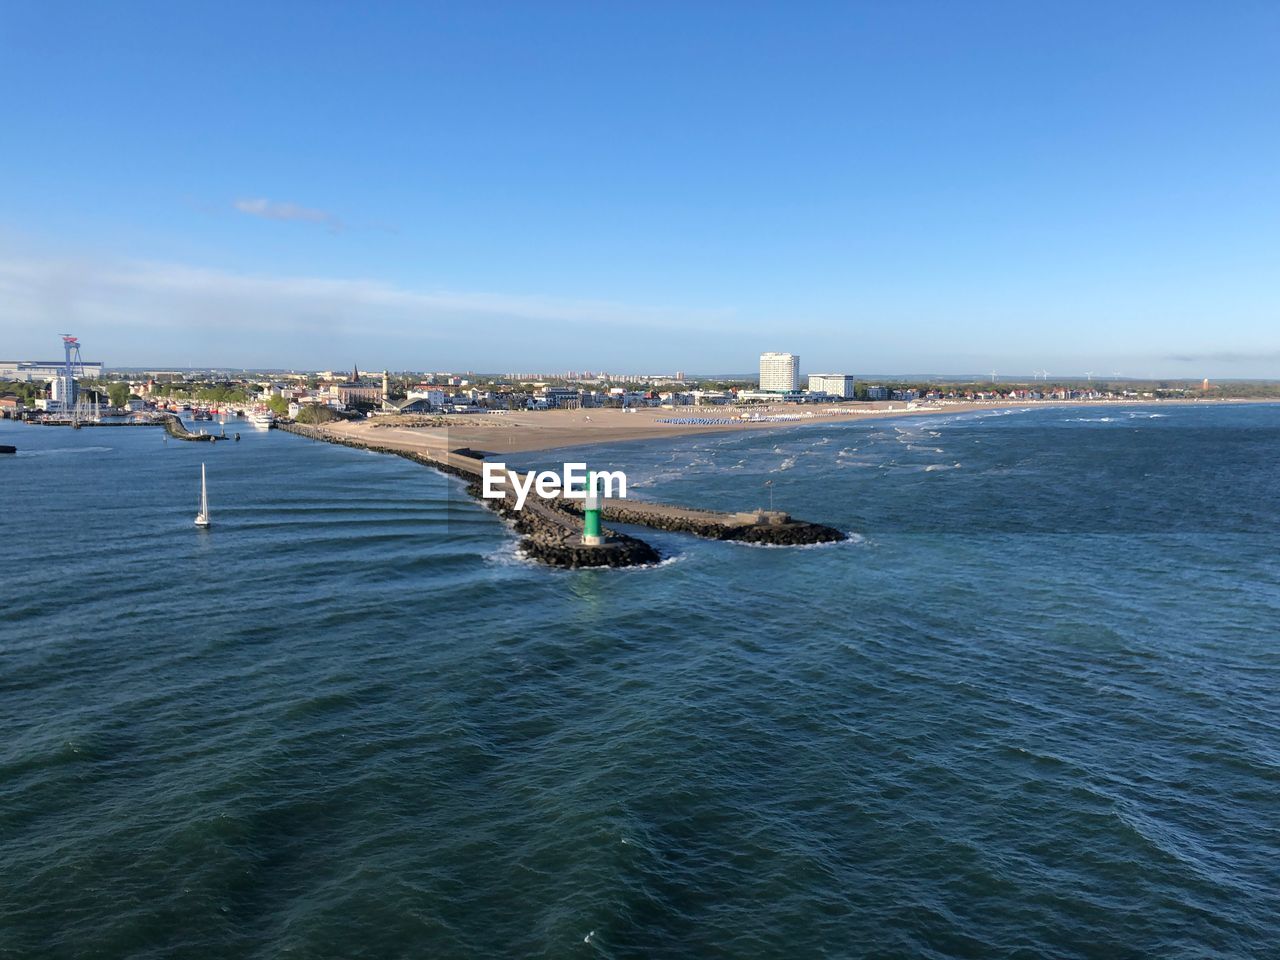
(779, 372)
(65, 390)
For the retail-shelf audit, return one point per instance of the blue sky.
(880, 187)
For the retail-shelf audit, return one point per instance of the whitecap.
(851, 539)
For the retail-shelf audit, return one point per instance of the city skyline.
(912, 188)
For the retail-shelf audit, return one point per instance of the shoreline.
(521, 432)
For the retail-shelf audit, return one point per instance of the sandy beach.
(525, 431)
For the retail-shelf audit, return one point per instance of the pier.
(172, 424)
(59, 422)
(174, 427)
(551, 530)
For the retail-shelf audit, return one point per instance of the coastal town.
(72, 389)
(465, 424)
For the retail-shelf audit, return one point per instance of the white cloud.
(274, 210)
(161, 309)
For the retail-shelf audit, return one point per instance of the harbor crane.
(73, 365)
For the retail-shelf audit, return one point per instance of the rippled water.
(1033, 709)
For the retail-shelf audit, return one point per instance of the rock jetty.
(760, 526)
(173, 426)
(551, 529)
(548, 532)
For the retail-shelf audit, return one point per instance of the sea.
(1030, 708)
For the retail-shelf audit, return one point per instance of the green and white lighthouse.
(591, 535)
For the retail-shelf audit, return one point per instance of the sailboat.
(202, 518)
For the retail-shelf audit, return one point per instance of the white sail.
(202, 518)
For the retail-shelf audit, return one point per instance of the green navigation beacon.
(591, 535)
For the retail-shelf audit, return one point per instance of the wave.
(510, 555)
(61, 451)
(923, 467)
(851, 539)
(664, 562)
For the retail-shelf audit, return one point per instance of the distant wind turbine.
(1089, 375)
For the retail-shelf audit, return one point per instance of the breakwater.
(551, 528)
(760, 526)
(54, 422)
(172, 424)
(549, 533)
(174, 427)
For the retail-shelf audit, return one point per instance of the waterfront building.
(779, 372)
(431, 397)
(832, 384)
(877, 393)
(31, 370)
(415, 403)
(557, 397)
(65, 391)
(354, 391)
(773, 396)
(711, 396)
(350, 393)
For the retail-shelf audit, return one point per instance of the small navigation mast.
(591, 536)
